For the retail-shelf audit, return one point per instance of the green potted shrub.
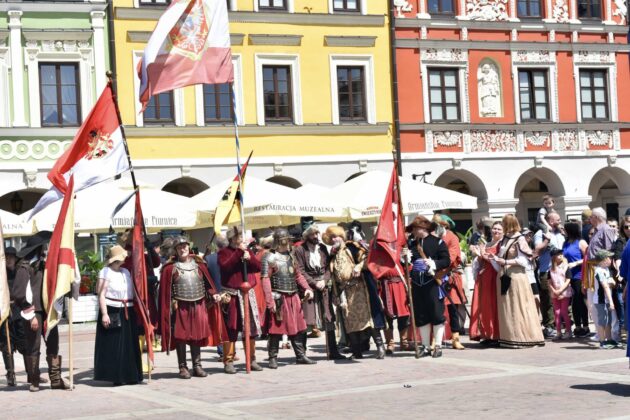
(90, 265)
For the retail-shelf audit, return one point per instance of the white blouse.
(119, 286)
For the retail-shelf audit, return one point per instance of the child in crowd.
(561, 291)
(548, 204)
(602, 299)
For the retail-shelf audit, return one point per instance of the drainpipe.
(112, 44)
(394, 77)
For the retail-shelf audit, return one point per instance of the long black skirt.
(117, 356)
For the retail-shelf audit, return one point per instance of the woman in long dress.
(519, 325)
(484, 317)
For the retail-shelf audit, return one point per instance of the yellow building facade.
(312, 89)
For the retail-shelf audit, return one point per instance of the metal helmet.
(281, 235)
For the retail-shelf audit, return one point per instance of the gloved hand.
(406, 253)
(420, 266)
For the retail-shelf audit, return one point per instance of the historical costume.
(347, 262)
(453, 284)
(484, 318)
(429, 255)
(190, 314)
(27, 290)
(312, 262)
(518, 317)
(117, 355)
(396, 306)
(282, 283)
(233, 259)
(16, 331)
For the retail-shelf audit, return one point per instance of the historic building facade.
(512, 99)
(52, 67)
(312, 87)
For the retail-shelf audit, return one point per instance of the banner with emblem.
(96, 154)
(190, 45)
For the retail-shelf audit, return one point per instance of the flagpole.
(110, 79)
(70, 345)
(245, 286)
(414, 332)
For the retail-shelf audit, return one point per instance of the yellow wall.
(314, 65)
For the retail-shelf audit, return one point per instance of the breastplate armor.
(188, 284)
(283, 278)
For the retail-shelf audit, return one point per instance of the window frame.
(345, 8)
(77, 76)
(528, 7)
(158, 120)
(592, 102)
(443, 69)
(441, 12)
(351, 60)
(276, 119)
(590, 10)
(153, 3)
(363, 117)
(291, 60)
(531, 91)
(217, 104)
(284, 8)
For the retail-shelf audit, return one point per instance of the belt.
(394, 279)
(124, 302)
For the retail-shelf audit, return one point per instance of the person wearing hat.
(429, 255)
(349, 273)
(15, 330)
(453, 285)
(117, 355)
(189, 311)
(27, 288)
(312, 262)
(282, 283)
(233, 259)
(602, 298)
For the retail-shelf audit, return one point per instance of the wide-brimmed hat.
(34, 242)
(603, 254)
(422, 223)
(116, 253)
(450, 222)
(10, 251)
(332, 232)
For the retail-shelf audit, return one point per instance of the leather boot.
(10, 366)
(195, 355)
(389, 341)
(273, 345)
(333, 351)
(404, 341)
(228, 357)
(457, 345)
(299, 347)
(255, 367)
(378, 340)
(356, 345)
(31, 363)
(54, 372)
(180, 348)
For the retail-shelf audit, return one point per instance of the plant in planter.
(90, 265)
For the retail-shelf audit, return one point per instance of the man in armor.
(281, 282)
(27, 291)
(189, 313)
(429, 256)
(312, 260)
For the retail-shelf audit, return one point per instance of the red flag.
(141, 298)
(61, 269)
(96, 154)
(385, 249)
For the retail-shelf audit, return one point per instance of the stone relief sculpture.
(560, 11)
(621, 10)
(489, 90)
(402, 6)
(486, 9)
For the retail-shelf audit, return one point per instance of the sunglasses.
(626, 226)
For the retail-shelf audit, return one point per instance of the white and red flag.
(190, 45)
(96, 154)
(389, 240)
(61, 262)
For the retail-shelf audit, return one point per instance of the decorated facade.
(512, 99)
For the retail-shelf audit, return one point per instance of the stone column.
(571, 207)
(497, 208)
(17, 68)
(98, 45)
(624, 204)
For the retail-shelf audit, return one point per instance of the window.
(529, 9)
(346, 5)
(441, 7)
(277, 93)
(594, 94)
(217, 103)
(59, 95)
(589, 9)
(444, 94)
(272, 4)
(160, 109)
(532, 87)
(351, 88)
(154, 2)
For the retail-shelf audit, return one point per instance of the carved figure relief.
(489, 90)
(620, 10)
(402, 6)
(568, 141)
(487, 9)
(560, 12)
(493, 141)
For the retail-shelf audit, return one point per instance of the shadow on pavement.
(617, 389)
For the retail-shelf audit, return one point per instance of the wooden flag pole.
(70, 345)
